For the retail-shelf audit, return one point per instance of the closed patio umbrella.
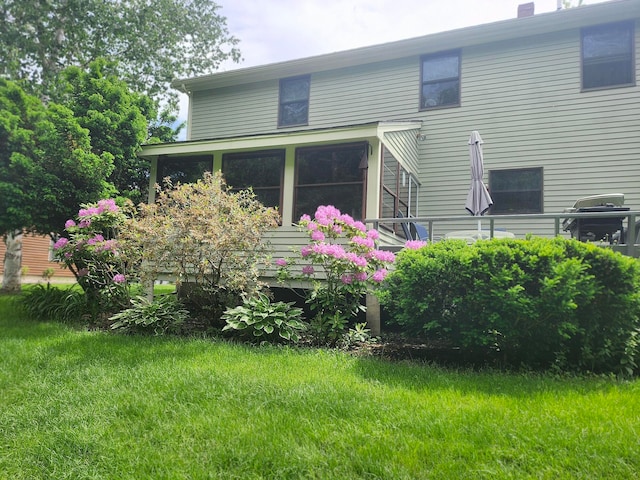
(478, 198)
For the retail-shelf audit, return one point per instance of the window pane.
(260, 170)
(294, 101)
(295, 113)
(413, 202)
(330, 176)
(330, 165)
(347, 198)
(253, 169)
(516, 191)
(183, 169)
(269, 197)
(441, 93)
(604, 42)
(438, 68)
(607, 56)
(294, 90)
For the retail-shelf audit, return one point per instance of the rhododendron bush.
(342, 263)
(94, 255)
(205, 235)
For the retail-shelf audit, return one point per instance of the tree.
(117, 119)
(154, 41)
(47, 168)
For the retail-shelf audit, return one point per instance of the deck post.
(373, 314)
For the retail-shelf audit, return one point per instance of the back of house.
(383, 131)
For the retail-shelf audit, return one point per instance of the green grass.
(76, 404)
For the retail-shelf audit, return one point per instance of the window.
(183, 169)
(294, 101)
(607, 56)
(332, 175)
(399, 191)
(516, 191)
(262, 171)
(440, 80)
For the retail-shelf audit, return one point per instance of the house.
(37, 257)
(383, 129)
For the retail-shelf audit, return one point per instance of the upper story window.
(294, 101)
(440, 80)
(607, 56)
(516, 191)
(261, 171)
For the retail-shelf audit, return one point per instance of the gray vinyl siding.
(524, 98)
(349, 96)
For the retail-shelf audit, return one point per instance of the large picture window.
(607, 56)
(440, 80)
(332, 175)
(294, 101)
(516, 191)
(262, 171)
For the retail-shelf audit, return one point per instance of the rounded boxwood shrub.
(537, 302)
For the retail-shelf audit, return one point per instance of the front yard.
(78, 404)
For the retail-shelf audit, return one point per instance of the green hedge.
(536, 302)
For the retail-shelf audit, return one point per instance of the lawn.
(79, 404)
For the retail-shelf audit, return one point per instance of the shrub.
(209, 237)
(537, 302)
(342, 263)
(165, 314)
(259, 318)
(93, 254)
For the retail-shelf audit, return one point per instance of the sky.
(278, 30)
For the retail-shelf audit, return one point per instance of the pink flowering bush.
(342, 252)
(92, 253)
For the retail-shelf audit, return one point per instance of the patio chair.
(405, 226)
(420, 232)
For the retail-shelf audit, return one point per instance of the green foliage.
(540, 302)
(154, 42)
(209, 237)
(260, 319)
(117, 119)
(358, 335)
(165, 314)
(47, 166)
(42, 302)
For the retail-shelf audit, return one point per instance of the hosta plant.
(259, 318)
(164, 314)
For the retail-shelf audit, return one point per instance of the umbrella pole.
(479, 225)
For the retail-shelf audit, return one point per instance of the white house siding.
(524, 98)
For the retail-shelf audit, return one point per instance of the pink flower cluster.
(414, 244)
(356, 260)
(61, 243)
(119, 278)
(105, 205)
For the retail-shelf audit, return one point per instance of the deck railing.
(630, 248)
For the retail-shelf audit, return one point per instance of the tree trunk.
(12, 278)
